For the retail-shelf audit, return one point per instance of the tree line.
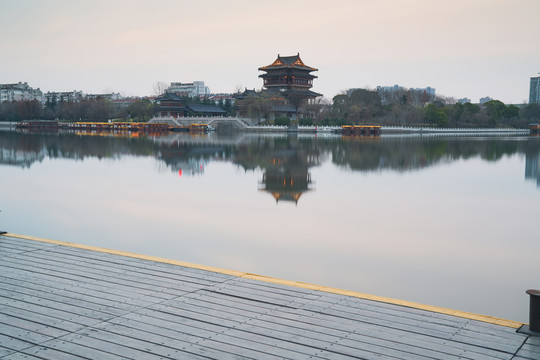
(363, 106)
(399, 108)
(95, 110)
(359, 107)
(98, 110)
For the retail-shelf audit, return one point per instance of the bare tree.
(160, 87)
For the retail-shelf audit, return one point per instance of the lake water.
(444, 221)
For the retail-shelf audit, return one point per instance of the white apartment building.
(67, 96)
(19, 92)
(193, 89)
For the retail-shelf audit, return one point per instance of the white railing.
(452, 130)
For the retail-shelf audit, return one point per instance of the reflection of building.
(21, 158)
(534, 92)
(189, 167)
(286, 184)
(286, 175)
(532, 167)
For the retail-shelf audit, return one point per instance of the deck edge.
(245, 275)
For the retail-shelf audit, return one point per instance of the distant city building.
(534, 92)
(66, 96)
(111, 96)
(124, 103)
(464, 100)
(398, 94)
(394, 88)
(485, 99)
(19, 92)
(193, 89)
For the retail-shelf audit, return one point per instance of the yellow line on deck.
(462, 314)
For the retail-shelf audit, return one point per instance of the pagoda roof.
(284, 72)
(288, 62)
(168, 96)
(203, 108)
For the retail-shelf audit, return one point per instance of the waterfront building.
(19, 92)
(170, 105)
(534, 91)
(464, 100)
(193, 89)
(289, 77)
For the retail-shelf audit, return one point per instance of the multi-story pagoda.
(291, 77)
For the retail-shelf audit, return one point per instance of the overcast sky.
(462, 48)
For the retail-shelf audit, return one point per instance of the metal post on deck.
(534, 310)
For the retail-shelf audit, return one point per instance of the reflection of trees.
(270, 153)
(403, 154)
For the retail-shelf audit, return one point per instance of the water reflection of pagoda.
(286, 184)
(286, 176)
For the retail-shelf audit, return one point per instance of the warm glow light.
(180, 172)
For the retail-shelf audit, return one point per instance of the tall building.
(291, 77)
(534, 92)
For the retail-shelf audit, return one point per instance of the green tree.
(305, 122)
(282, 121)
(435, 115)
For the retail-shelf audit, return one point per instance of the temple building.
(286, 87)
(291, 78)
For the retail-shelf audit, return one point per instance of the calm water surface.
(445, 221)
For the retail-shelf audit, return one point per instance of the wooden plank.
(86, 276)
(310, 335)
(44, 319)
(59, 313)
(24, 335)
(153, 282)
(54, 284)
(102, 305)
(529, 351)
(224, 308)
(117, 305)
(144, 267)
(30, 325)
(143, 263)
(42, 352)
(81, 351)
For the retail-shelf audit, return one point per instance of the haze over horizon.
(462, 48)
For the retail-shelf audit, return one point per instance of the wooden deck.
(65, 301)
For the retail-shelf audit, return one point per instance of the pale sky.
(462, 48)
